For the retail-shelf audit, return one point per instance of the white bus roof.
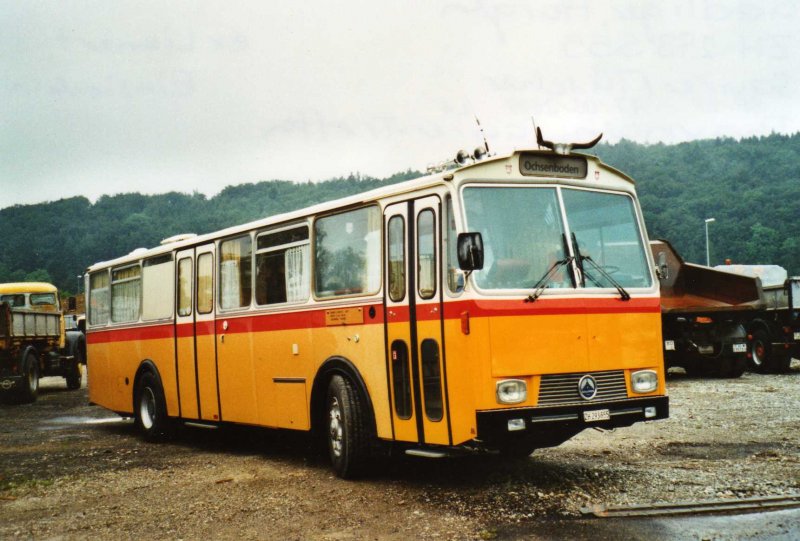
(494, 168)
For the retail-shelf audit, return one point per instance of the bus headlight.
(644, 381)
(511, 391)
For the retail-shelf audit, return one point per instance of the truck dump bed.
(690, 288)
(25, 324)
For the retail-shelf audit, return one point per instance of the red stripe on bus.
(150, 332)
(551, 307)
(397, 314)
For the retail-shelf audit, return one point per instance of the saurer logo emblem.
(587, 387)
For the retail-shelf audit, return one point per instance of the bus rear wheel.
(347, 429)
(150, 408)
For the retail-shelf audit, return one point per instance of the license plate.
(797, 336)
(596, 415)
(740, 348)
(705, 350)
(669, 345)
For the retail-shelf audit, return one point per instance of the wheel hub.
(335, 427)
(147, 408)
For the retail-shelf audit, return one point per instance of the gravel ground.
(72, 471)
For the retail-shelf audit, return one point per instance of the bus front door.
(413, 299)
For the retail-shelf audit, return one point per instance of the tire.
(348, 433)
(75, 373)
(150, 409)
(30, 384)
(761, 352)
(732, 366)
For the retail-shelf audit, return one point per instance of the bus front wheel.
(347, 430)
(150, 408)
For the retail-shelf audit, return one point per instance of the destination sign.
(550, 165)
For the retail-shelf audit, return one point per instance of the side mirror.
(470, 251)
(72, 304)
(663, 268)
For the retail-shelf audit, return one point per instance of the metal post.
(708, 252)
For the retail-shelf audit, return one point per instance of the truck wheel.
(732, 366)
(150, 409)
(348, 433)
(30, 384)
(75, 373)
(760, 351)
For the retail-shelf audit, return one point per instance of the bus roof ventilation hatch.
(178, 238)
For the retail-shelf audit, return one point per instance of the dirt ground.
(72, 471)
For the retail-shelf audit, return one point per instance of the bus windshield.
(525, 232)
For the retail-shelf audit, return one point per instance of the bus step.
(426, 453)
(200, 425)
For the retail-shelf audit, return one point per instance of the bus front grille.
(562, 389)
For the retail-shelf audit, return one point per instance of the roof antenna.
(485, 143)
(534, 133)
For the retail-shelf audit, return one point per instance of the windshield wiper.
(624, 295)
(544, 281)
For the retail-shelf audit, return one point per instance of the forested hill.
(750, 186)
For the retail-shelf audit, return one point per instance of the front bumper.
(549, 422)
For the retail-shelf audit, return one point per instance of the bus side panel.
(103, 376)
(235, 358)
(362, 345)
(115, 358)
(467, 373)
(284, 374)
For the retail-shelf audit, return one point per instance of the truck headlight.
(644, 381)
(511, 391)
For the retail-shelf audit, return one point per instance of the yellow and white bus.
(507, 303)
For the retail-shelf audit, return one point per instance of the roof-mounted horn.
(564, 148)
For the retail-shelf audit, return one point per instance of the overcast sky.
(109, 97)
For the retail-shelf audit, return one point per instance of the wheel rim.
(335, 428)
(758, 353)
(147, 408)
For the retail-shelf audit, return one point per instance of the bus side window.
(126, 294)
(454, 276)
(426, 254)
(205, 279)
(397, 259)
(347, 253)
(99, 298)
(235, 273)
(283, 266)
(185, 287)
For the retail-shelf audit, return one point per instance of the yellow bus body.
(268, 365)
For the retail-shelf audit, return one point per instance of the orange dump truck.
(704, 314)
